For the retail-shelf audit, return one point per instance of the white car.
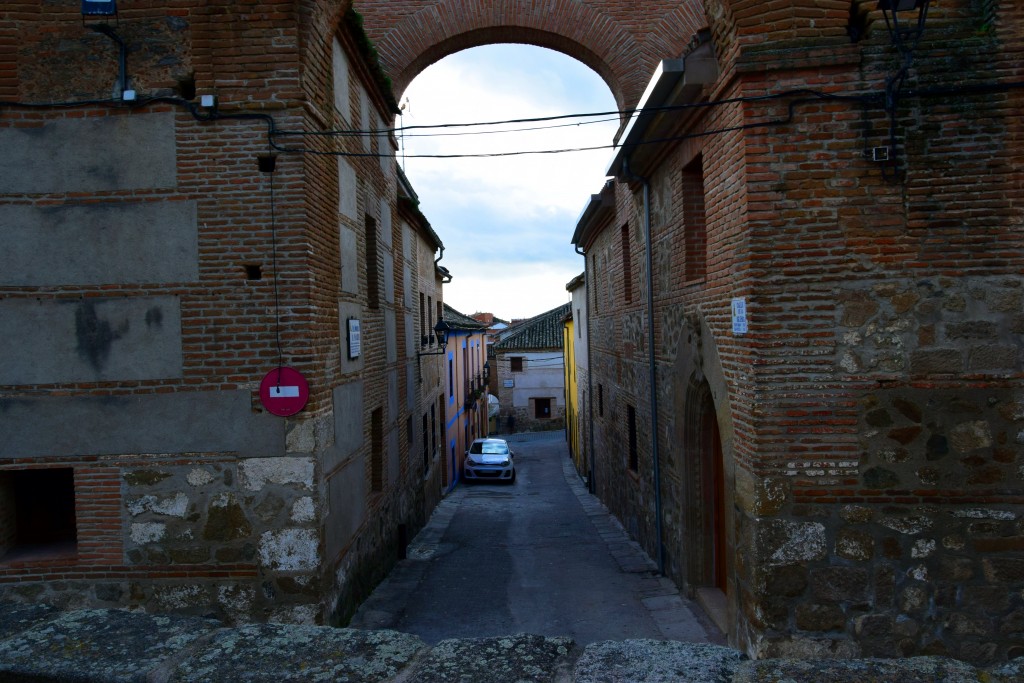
(490, 459)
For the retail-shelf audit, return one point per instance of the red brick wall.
(869, 416)
(258, 58)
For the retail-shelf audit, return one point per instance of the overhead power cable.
(808, 96)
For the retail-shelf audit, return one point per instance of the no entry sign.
(284, 391)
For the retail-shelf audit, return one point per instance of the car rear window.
(489, 448)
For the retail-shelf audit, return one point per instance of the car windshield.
(489, 448)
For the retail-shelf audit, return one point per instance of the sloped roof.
(540, 332)
(459, 321)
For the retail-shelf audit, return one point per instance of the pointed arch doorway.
(707, 529)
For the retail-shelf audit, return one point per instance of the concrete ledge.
(39, 643)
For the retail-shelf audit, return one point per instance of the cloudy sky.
(506, 222)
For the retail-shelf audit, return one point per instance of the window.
(579, 325)
(451, 379)
(600, 400)
(433, 429)
(597, 279)
(426, 446)
(430, 322)
(542, 408)
(409, 434)
(627, 267)
(423, 319)
(694, 221)
(372, 269)
(37, 513)
(516, 363)
(634, 459)
(377, 450)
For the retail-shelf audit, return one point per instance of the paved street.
(542, 556)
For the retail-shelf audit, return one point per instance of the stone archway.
(704, 454)
(622, 44)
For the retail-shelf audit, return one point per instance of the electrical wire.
(275, 275)
(803, 96)
(808, 96)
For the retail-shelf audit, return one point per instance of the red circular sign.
(284, 391)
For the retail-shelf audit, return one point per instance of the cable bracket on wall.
(905, 21)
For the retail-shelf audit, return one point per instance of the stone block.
(993, 357)
(15, 618)
(289, 550)
(854, 545)
(508, 659)
(1003, 570)
(786, 542)
(820, 617)
(274, 652)
(914, 670)
(257, 473)
(936, 362)
(655, 660)
(841, 584)
(99, 645)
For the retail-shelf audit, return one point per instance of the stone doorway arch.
(704, 459)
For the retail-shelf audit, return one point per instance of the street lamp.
(905, 21)
(441, 331)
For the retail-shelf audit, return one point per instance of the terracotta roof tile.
(540, 332)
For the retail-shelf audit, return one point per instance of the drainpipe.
(447, 277)
(592, 483)
(651, 358)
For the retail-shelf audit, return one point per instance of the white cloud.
(506, 222)
(522, 291)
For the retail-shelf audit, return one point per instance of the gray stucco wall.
(89, 155)
(89, 340)
(193, 422)
(124, 243)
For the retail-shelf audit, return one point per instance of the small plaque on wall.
(739, 316)
(354, 339)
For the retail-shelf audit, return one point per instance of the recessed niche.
(37, 514)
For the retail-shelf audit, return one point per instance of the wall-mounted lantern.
(441, 331)
(99, 8)
(905, 20)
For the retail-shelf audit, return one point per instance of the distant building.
(577, 419)
(465, 397)
(530, 379)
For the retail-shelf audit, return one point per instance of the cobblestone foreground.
(40, 643)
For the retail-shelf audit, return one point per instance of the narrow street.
(541, 556)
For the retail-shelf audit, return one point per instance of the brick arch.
(490, 36)
(616, 39)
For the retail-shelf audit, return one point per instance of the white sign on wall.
(739, 316)
(355, 344)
